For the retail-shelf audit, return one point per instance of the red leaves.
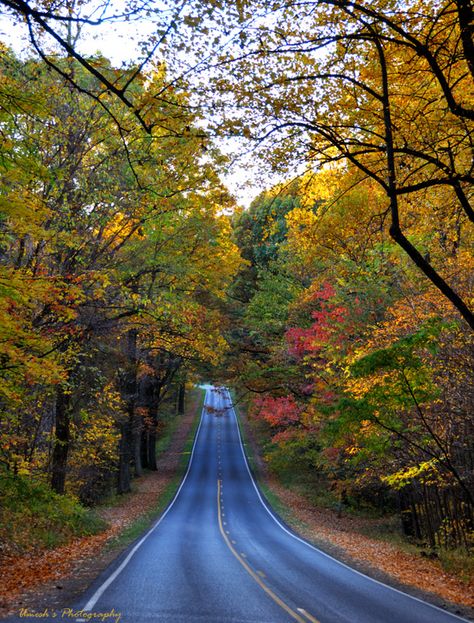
(333, 325)
(325, 293)
(330, 319)
(278, 412)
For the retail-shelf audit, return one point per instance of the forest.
(338, 305)
(112, 279)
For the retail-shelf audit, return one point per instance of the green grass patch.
(388, 530)
(170, 425)
(458, 562)
(33, 516)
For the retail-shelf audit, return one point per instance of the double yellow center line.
(254, 575)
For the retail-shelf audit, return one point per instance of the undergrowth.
(33, 516)
(458, 562)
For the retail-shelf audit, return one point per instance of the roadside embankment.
(360, 541)
(53, 577)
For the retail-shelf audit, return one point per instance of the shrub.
(33, 516)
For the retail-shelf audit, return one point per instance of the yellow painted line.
(249, 570)
(308, 615)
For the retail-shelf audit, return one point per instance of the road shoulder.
(55, 578)
(346, 539)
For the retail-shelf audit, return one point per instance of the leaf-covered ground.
(345, 537)
(50, 578)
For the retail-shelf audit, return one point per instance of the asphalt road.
(220, 555)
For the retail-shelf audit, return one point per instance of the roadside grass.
(315, 492)
(144, 521)
(459, 563)
(388, 530)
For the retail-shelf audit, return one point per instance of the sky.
(120, 43)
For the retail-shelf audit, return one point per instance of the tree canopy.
(340, 301)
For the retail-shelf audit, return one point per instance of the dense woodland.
(339, 305)
(356, 373)
(112, 275)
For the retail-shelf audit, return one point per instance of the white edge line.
(295, 536)
(103, 587)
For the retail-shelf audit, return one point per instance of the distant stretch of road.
(220, 555)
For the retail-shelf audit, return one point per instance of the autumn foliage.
(115, 256)
(350, 319)
(366, 391)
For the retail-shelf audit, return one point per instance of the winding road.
(220, 555)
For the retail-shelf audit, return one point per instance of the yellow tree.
(384, 86)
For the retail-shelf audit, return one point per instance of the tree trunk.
(61, 442)
(130, 430)
(151, 432)
(135, 421)
(151, 449)
(136, 426)
(123, 476)
(406, 514)
(144, 448)
(181, 398)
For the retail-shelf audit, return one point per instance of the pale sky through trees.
(121, 43)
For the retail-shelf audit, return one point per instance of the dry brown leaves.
(21, 574)
(409, 569)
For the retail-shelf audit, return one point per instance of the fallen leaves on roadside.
(20, 574)
(409, 569)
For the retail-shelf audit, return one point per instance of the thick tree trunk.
(135, 421)
(123, 476)
(181, 398)
(130, 430)
(151, 432)
(144, 448)
(137, 427)
(466, 23)
(406, 515)
(151, 449)
(61, 442)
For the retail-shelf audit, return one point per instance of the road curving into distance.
(220, 555)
